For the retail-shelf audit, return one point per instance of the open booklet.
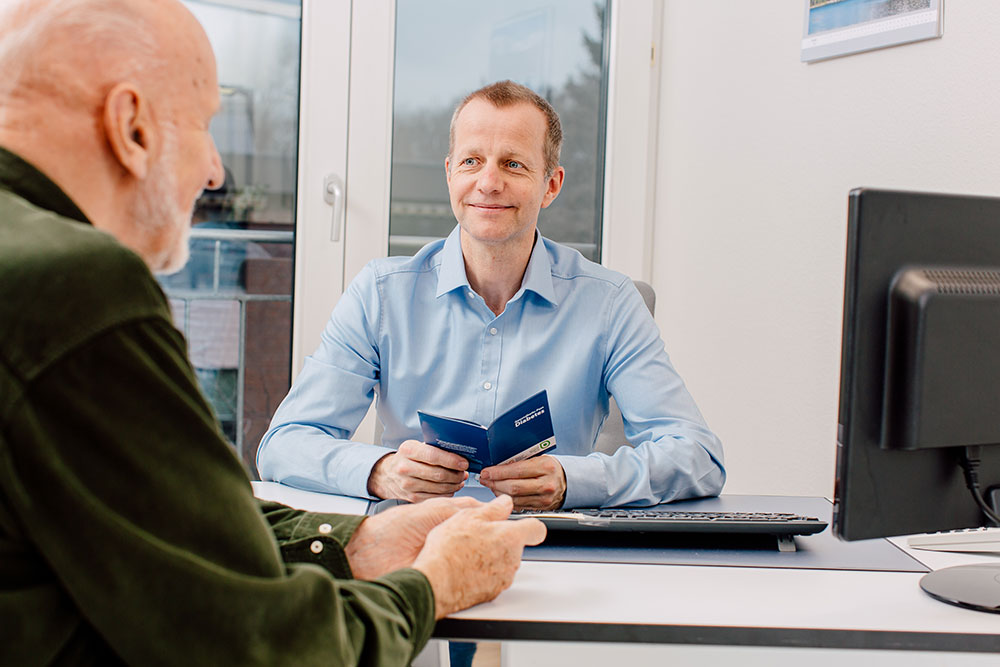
(520, 433)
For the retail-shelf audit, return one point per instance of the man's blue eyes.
(471, 161)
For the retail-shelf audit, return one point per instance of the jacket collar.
(26, 181)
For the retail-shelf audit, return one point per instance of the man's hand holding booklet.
(520, 433)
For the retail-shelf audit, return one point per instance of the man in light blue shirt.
(472, 325)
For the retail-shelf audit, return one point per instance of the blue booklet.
(520, 433)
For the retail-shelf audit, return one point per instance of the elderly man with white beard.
(129, 533)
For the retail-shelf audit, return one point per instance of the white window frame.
(323, 121)
(633, 112)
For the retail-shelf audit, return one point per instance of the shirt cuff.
(352, 477)
(320, 539)
(586, 481)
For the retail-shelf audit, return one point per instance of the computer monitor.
(920, 372)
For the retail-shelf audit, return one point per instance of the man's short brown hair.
(507, 93)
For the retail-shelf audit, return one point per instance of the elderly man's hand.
(417, 471)
(535, 483)
(473, 556)
(391, 540)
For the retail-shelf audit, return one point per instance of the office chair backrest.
(612, 435)
(648, 295)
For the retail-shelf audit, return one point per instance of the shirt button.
(325, 528)
(316, 547)
(487, 386)
(470, 294)
(493, 331)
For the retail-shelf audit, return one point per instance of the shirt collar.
(452, 275)
(537, 276)
(27, 182)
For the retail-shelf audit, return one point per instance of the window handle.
(333, 194)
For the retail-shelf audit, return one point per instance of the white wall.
(757, 153)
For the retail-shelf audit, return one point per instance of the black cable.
(970, 461)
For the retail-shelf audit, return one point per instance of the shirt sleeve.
(126, 488)
(676, 455)
(308, 444)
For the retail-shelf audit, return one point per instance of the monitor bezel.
(883, 492)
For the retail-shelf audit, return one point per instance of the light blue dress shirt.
(413, 333)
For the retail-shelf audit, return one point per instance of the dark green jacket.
(128, 529)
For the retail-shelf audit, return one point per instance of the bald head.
(73, 51)
(99, 95)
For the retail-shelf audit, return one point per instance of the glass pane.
(233, 299)
(445, 49)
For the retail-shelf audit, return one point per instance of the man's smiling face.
(496, 172)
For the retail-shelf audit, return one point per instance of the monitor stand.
(970, 586)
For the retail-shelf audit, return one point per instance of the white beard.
(159, 217)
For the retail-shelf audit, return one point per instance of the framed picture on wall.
(834, 28)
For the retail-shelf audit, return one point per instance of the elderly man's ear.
(129, 128)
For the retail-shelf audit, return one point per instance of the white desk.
(656, 609)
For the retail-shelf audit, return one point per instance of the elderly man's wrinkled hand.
(391, 540)
(473, 556)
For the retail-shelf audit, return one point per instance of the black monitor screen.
(920, 378)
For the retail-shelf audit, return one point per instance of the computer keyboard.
(635, 522)
(970, 540)
(675, 521)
